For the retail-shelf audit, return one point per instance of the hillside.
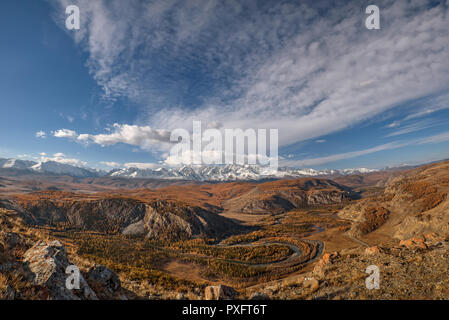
(413, 203)
(154, 219)
(285, 195)
(304, 238)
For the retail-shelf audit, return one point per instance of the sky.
(109, 94)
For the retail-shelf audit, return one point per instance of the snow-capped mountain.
(58, 168)
(356, 171)
(50, 167)
(228, 172)
(16, 164)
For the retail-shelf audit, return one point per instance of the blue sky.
(341, 96)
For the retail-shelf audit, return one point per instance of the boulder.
(432, 239)
(413, 243)
(104, 281)
(311, 283)
(319, 270)
(328, 258)
(7, 293)
(259, 296)
(9, 240)
(372, 250)
(47, 263)
(220, 292)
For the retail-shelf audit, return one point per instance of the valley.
(303, 238)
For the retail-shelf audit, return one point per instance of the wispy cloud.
(292, 66)
(417, 126)
(342, 156)
(442, 137)
(41, 134)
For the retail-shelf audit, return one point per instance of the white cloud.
(65, 133)
(394, 124)
(141, 165)
(342, 156)
(62, 158)
(442, 137)
(141, 136)
(83, 137)
(59, 155)
(41, 134)
(213, 157)
(417, 126)
(111, 164)
(430, 106)
(289, 66)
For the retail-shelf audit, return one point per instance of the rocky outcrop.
(47, 263)
(175, 221)
(311, 283)
(285, 195)
(104, 215)
(104, 281)
(412, 204)
(220, 292)
(373, 250)
(156, 219)
(259, 296)
(9, 240)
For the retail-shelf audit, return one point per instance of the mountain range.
(228, 172)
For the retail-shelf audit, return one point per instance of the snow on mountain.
(358, 170)
(58, 168)
(228, 172)
(16, 164)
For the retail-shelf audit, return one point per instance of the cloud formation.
(65, 133)
(308, 68)
(41, 134)
(62, 158)
(438, 138)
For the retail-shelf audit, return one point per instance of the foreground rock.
(259, 296)
(404, 274)
(104, 281)
(9, 240)
(413, 243)
(372, 250)
(220, 292)
(47, 263)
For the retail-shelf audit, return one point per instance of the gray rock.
(259, 296)
(220, 292)
(9, 240)
(47, 263)
(104, 280)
